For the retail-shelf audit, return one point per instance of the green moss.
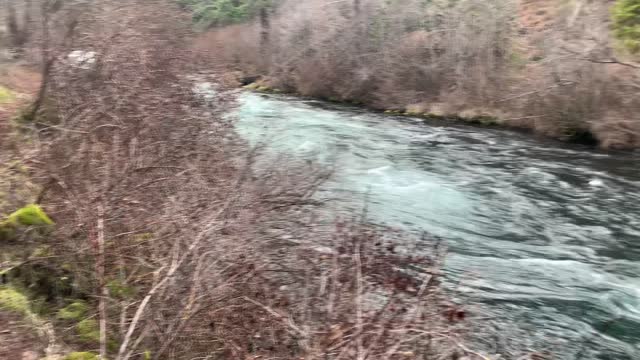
(147, 355)
(88, 331)
(30, 215)
(6, 96)
(81, 356)
(74, 311)
(14, 301)
(120, 290)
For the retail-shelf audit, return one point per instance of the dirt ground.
(17, 340)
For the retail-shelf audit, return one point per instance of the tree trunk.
(47, 65)
(265, 30)
(12, 24)
(26, 21)
(103, 292)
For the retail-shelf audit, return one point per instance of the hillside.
(560, 68)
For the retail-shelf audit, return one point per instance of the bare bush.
(382, 53)
(575, 87)
(550, 67)
(181, 240)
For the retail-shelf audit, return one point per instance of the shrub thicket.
(525, 63)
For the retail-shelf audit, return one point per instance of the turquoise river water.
(543, 238)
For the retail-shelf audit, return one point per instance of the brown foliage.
(548, 66)
(384, 54)
(577, 89)
(352, 299)
(185, 242)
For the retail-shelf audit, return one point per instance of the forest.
(496, 62)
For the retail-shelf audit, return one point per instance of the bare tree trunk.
(47, 65)
(42, 92)
(48, 59)
(265, 29)
(103, 292)
(26, 20)
(12, 24)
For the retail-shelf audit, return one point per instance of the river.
(543, 237)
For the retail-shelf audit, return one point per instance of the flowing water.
(544, 238)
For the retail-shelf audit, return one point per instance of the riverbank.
(526, 65)
(470, 117)
(48, 269)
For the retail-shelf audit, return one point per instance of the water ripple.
(544, 237)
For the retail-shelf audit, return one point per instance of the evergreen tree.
(208, 13)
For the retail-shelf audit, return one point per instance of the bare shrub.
(619, 127)
(568, 107)
(384, 53)
(186, 243)
(356, 298)
(238, 54)
(577, 88)
(547, 66)
(137, 169)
